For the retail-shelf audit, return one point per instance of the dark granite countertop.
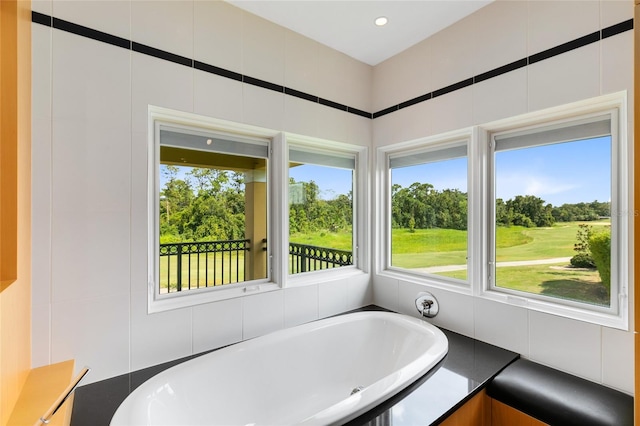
(466, 369)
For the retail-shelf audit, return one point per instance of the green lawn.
(427, 248)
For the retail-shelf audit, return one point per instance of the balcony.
(192, 265)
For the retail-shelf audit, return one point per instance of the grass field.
(427, 248)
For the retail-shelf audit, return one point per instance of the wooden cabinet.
(481, 410)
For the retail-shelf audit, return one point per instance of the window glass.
(321, 213)
(553, 193)
(429, 211)
(212, 210)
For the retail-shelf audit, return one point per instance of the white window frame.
(277, 212)
(617, 314)
(360, 228)
(163, 116)
(383, 206)
(481, 216)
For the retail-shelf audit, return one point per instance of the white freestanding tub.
(301, 375)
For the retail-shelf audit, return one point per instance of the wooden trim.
(474, 412)
(636, 208)
(43, 386)
(504, 415)
(8, 142)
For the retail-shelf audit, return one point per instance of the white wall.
(89, 171)
(499, 34)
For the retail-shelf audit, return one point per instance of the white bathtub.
(301, 375)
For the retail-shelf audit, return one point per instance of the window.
(213, 209)
(236, 209)
(553, 234)
(210, 217)
(321, 209)
(530, 211)
(428, 208)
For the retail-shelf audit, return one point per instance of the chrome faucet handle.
(427, 305)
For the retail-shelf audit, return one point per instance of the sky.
(569, 172)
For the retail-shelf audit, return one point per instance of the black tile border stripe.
(500, 70)
(211, 69)
(263, 84)
(565, 47)
(617, 29)
(161, 54)
(87, 32)
(332, 104)
(301, 95)
(40, 18)
(521, 63)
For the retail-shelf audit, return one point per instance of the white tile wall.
(332, 298)
(403, 76)
(159, 83)
(501, 325)
(90, 103)
(262, 49)
(158, 337)
(499, 35)
(617, 356)
(217, 34)
(500, 97)
(597, 353)
(216, 96)
(262, 314)
(561, 16)
(94, 332)
(572, 346)
(90, 169)
(166, 25)
(566, 78)
(113, 17)
(300, 305)
(217, 325)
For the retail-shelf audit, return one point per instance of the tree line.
(421, 206)
(209, 204)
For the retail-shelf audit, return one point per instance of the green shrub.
(600, 245)
(582, 260)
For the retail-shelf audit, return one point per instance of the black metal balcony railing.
(212, 263)
(305, 258)
(201, 264)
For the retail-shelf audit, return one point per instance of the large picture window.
(531, 211)
(553, 232)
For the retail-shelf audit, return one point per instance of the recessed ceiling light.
(381, 21)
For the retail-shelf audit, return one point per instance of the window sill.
(443, 283)
(569, 310)
(317, 277)
(206, 295)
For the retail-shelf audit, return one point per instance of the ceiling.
(348, 25)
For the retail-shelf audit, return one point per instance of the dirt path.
(448, 268)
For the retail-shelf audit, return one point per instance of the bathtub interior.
(305, 374)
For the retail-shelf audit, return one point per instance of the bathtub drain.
(356, 389)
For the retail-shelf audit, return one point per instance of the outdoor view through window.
(320, 210)
(212, 212)
(553, 218)
(429, 211)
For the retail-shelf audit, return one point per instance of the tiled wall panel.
(499, 33)
(90, 176)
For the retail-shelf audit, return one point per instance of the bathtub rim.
(366, 400)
